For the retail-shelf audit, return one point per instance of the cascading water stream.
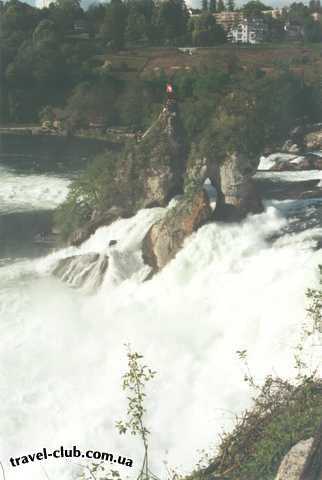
(232, 287)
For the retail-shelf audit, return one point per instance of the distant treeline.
(55, 60)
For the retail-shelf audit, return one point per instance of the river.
(62, 356)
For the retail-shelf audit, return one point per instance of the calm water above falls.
(62, 355)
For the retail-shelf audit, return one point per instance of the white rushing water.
(22, 192)
(62, 352)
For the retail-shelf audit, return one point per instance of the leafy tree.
(312, 31)
(113, 27)
(205, 31)
(213, 6)
(95, 16)
(171, 20)
(136, 28)
(220, 6)
(204, 5)
(230, 6)
(64, 14)
(90, 103)
(315, 6)
(298, 13)
(254, 8)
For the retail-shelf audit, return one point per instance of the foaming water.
(62, 357)
(290, 176)
(23, 192)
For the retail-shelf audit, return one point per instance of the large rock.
(161, 158)
(151, 171)
(165, 238)
(237, 194)
(82, 271)
(313, 140)
(313, 465)
(292, 465)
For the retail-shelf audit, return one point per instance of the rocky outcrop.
(293, 463)
(237, 194)
(304, 460)
(82, 271)
(312, 469)
(165, 238)
(151, 171)
(313, 140)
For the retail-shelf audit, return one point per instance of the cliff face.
(166, 237)
(237, 192)
(153, 170)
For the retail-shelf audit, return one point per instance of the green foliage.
(312, 31)
(134, 384)
(254, 8)
(205, 31)
(92, 191)
(171, 21)
(256, 111)
(113, 28)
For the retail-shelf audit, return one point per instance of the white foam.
(294, 176)
(62, 353)
(21, 192)
(266, 163)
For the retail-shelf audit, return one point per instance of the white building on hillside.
(249, 30)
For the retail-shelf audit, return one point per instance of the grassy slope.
(304, 59)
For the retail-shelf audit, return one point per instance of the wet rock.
(313, 140)
(98, 219)
(166, 237)
(290, 147)
(82, 271)
(237, 194)
(312, 469)
(293, 463)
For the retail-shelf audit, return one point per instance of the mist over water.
(232, 287)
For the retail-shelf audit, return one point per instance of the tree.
(206, 32)
(254, 8)
(220, 6)
(230, 6)
(298, 13)
(315, 6)
(204, 5)
(213, 6)
(312, 31)
(136, 28)
(171, 20)
(94, 16)
(64, 14)
(113, 27)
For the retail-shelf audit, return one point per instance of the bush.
(92, 191)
